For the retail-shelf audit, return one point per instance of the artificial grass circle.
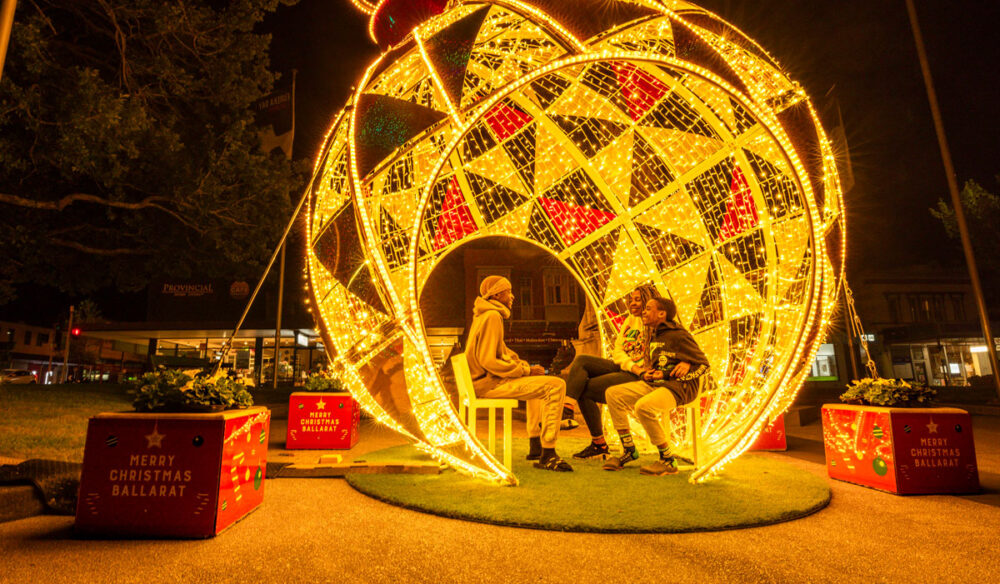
(752, 491)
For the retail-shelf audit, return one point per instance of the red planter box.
(172, 475)
(773, 436)
(322, 421)
(901, 450)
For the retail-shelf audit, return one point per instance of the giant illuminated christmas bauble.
(636, 141)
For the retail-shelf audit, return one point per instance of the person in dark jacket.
(674, 363)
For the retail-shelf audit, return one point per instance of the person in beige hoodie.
(498, 373)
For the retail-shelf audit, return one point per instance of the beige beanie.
(493, 285)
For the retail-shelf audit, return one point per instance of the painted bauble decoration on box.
(901, 450)
(321, 421)
(635, 141)
(172, 475)
(773, 437)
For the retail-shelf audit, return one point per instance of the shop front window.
(824, 366)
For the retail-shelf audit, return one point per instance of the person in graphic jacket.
(673, 366)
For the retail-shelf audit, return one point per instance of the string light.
(629, 162)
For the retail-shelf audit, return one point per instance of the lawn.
(50, 421)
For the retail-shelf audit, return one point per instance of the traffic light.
(75, 333)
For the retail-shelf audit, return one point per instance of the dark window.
(43, 339)
(914, 301)
(958, 306)
(27, 337)
(893, 301)
(937, 307)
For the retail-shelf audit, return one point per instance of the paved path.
(321, 530)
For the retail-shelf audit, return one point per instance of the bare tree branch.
(98, 251)
(60, 204)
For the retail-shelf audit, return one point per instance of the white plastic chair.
(692, 413)
(468, 404)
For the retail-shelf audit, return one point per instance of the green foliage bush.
(324, 381)
(170, 390)
(888, 393)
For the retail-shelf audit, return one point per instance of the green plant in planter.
(324, 381)
(887, 393)
(170, 390)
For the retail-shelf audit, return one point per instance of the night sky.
(858, 54)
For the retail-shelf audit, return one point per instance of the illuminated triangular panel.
(505, 119)
(749, 255)
(384, 124)
(478, 141)
(449, 51)
(741, 210)
(781, 193)
(493, 199)
(514, 223)
(744, 334)
(668, 250)
(497, 166)
(629, 270)
(791, 240)
(714, 97)
(682, 150)
(581, 101)
(594, 262)
(579, 189)
(520, 150)
(742, 298)
(673, 112)
(640, 88)
(550, 147)
(714, 342)
(507, 44)
(574, 222)
(591, 135)
(614, 164)
(549, 88)
(449, 214)
(709, 192)
(395, 240)
(650, 173)
(711, 304)
(653, 36)
(340, 251)
(540, 229)
(685, 285)
(677, 214)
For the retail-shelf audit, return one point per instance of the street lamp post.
(956, 201)
(69, 336)
(6, 23)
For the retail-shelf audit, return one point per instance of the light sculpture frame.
(649, 143)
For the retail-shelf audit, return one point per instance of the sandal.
(554, 463)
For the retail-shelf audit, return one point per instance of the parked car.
(17, 376)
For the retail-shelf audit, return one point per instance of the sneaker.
(593, 451)
(663, 466)
(568, 424)
(619, 462)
